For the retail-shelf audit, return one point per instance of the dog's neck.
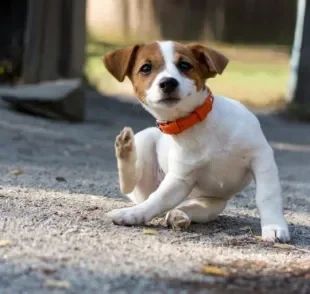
(179, 111)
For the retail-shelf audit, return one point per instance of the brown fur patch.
(183, 53)
(119, 62)
(146, 54)
(211, 62)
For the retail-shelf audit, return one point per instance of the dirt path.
(53, 214)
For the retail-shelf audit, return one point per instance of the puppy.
(204, 150)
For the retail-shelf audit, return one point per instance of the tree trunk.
(55, 40)
(53, 61)
(299, 92)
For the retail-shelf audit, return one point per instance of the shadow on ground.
(60, 237)
(77, 280)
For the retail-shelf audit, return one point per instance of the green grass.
(257, 77)
(256, 84)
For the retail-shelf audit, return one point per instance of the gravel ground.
(58, 180)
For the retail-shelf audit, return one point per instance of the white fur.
(187, 89)
(204, 166)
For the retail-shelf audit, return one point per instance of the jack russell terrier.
(204, 150)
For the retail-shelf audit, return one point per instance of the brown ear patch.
(150, 54)
(211, 61)
(119, 62)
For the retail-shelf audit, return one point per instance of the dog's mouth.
(169, 101)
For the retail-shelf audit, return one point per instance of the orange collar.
(179, 125)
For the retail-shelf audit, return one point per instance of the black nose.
(168, 85)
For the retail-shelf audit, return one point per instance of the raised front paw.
(274, 233)
(124, 144)
(128, 216)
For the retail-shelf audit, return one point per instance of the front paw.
(128, 216)
(124, 144)
(273, 233)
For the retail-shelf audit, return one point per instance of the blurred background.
(58, 179)
(256, 35)
(51, 40)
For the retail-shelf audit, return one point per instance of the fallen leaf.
(288, 246)
(247, 228)
(50, 258)
(60, 179)
(303, 250)
(283, 246)
(150, 232)
(4, 243)
(259, 238)
(57, 284)
(16, 172)
(92, 208)
(212, 270)
(48, 270)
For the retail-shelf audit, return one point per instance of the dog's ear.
(211, 61)
(119, 62)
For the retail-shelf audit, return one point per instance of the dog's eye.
(146, 68)
(184, 66)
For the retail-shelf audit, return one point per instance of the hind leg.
(197, 210)
(137, 163)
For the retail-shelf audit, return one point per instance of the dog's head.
(168, 78)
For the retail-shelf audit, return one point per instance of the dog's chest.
(218, 171)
